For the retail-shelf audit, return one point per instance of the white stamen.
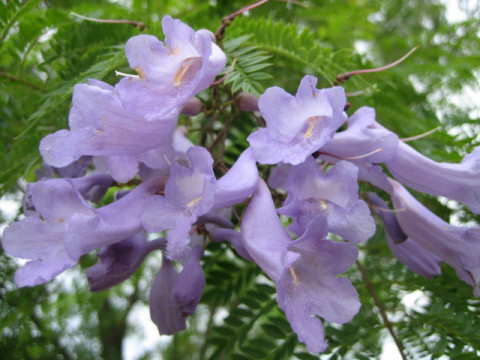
(294, 275)
(416, 137)
(362, 156)
(166, 159)
(118, 73)
(194, 201)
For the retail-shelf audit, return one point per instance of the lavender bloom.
(363, 136)
(41, 238)
(238, 183)
(305, 270)
(112, 223)
(76, 169)
(119, 261)
(333, 195)
(279, 175)
(91, 187)
(457, 246)
(189, 285)
(170, 73)
(168, 319)
(297, 125)
(156, 162)
(459, 182)
(406, 250)
(101, 126)
(190, 193)
(367, 171)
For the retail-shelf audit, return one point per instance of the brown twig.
(227, 20)
(230, 69)
(141, 26)
(341, 78)
(295, 3)
(380, 307)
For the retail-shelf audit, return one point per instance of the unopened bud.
(209, 33)
(247, 102)
(192, 107)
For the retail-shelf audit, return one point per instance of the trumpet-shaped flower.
(304, 270)
(169, 319)
(100, 125)
(169, 73)
(457, 246)
(119, 261)
(297, 125)
(333, 195)
(189, 285)
(192, 192)
(406, 250)
(112, 223)
(459, 182)
(41, 238)
(363, 136)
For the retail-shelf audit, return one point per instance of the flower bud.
(192, 107)
(247, 102)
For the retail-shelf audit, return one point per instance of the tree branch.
(22, 81)
(380, 307)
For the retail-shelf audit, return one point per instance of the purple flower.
(189, 285)
(409, 252)
(279, 175)
(297, 125)
(188, 194)
(91, 187)
(367, 171)
(459, 182)
(193, 192)
(41, 237)
(305, 270)
(457, 246)
(332, 195)
(112, 223)
(170, 73)
(119, 261)
(169, 320)
(363, 136)
(100, 125)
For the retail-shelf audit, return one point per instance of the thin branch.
(141, 26)
(230, 69)
(227, 20)
(380, 307)
(341, 78)
(294, 2)
(22, 81)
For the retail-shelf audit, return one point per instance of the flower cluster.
(129, 132)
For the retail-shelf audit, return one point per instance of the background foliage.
(44, 51)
